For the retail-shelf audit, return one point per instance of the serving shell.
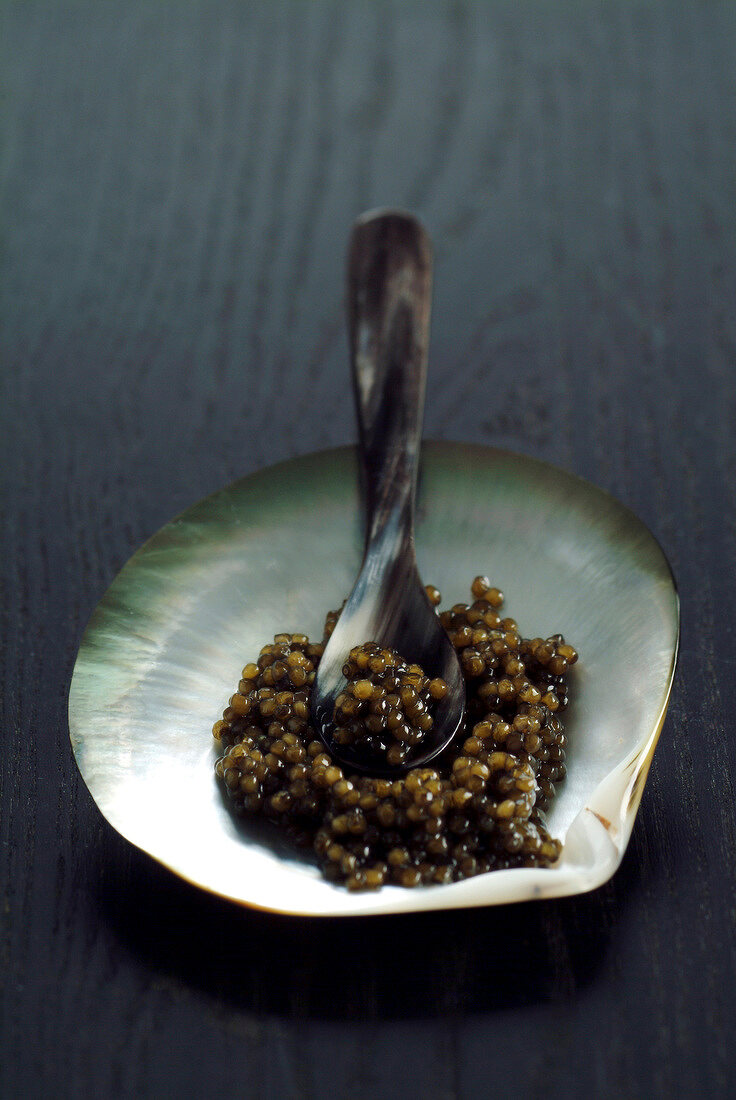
(274, 551)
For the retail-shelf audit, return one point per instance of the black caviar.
(480, 808)
(385, 708)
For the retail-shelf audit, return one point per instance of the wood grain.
(178, 182)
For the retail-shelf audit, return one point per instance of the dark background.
(179, 179)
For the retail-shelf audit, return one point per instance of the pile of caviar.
(479, 808)
(385, 709)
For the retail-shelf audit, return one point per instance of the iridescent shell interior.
(164, 649)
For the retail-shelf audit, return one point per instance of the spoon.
(389, 296)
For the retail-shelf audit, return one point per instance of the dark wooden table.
(179, 180)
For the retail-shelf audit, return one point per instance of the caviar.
(385, 708)
(480, 808)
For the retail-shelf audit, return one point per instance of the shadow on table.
(392, 967)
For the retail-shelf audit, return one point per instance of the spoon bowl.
(396, 613)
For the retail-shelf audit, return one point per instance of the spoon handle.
(389, 297)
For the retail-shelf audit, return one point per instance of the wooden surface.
(179, 179)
